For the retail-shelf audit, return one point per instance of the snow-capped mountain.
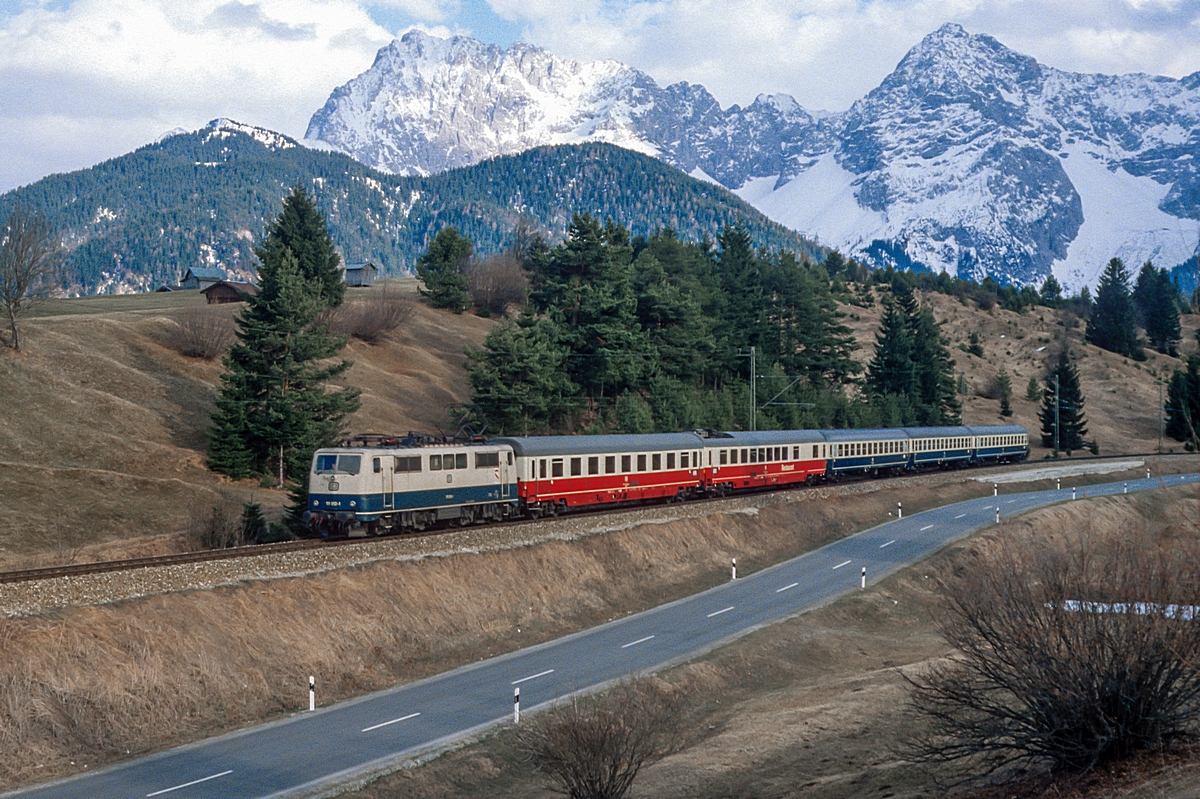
(969, 157)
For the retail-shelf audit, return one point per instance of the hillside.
(201, 199)
(104, 430)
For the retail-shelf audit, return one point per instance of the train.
(374, 484)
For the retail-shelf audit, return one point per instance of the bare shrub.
(1069, 659)
(496, 282)
(370, 320)
(202, 332)
(594, 747)
(215, 525)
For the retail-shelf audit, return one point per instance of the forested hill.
(200, 199)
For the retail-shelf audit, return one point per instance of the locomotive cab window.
(435, 463)
(343, 464)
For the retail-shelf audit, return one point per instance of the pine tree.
(1072, 426)
(300, 228)
(274, 408)
(1004, 384)
(1051, 293)
(891, 369)
(1033, 392)
(1157, 300)
(1113, 323)
(1183, 403)
(912, 364)
(442, 270)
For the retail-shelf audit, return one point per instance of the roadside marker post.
(1147, 472)
(733, 569)
(997, 515)
(517, 705)
(1058, 484)
(1072, 493)
(995, 490)
(1126, 491)
(312, 693)
(899, 510)
(864, 577)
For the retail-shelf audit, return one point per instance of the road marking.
(926, 527)
(959, 516)
(785, 588)
(987, 507)
(888, 544)
(187, 784)
(1011, 501)
(719, 612)
(638, 641)
(393, 721)
(532, 677)
(840, 565)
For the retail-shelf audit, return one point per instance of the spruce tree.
(1051, 293)
(274, 408)
(442, 271)
(1004, 385)
(1157, 300)
(1033, 392)
(1072, 426)
(300, 228)
(1113, 322)
(1183, 403)
(912, 373)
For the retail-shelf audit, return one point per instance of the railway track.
(254, 550)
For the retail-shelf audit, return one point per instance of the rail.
(255, 550)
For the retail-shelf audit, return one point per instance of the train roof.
(748, 439)
(535, 446)
(877, 434)
(997, 430)
(937, 432)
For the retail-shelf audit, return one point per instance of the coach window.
(610, 464)
(641, 463)
(723, 457)
(625, 461)
(683, 460)
(594, 465)
(556, 467)
(576, 467)
(375, 467)
(542, 469)
(655, 462)
(670, 460)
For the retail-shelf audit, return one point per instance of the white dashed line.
(888, 544)
(532, 677)
(840, 565)
(1011, 501)
(187, 784)
(785, 588)
(719, 612)
(638, 641)
(959, 516)
(393, 721)
(926, 527)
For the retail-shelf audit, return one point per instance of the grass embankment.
(813, 707)
(103, 433)
(88, 684)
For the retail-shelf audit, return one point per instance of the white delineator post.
(1147, 472)
(1072, 493)
(899, 510)
(864, 577)
(1058, 484)
(312, 692)
(1126, 491)
(995, 490)
(517, 705)
(997, 515)
(733, 568)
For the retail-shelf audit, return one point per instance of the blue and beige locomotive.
(376, 484)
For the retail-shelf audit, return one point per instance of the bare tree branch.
(29, 260)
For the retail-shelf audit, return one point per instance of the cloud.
(250, 15)
(123, 71)
(828, 53)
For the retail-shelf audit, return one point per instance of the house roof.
(360, 267)
(205, 273)
(244, 288)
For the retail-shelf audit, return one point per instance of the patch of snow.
(103, 215)
(700, 174)
(170, 134)
(1049, 472)
(1122, 220)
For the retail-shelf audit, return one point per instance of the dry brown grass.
(373, 317)
(203, 331)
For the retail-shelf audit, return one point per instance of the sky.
(86, 80)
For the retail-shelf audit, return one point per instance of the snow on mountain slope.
(968, 157)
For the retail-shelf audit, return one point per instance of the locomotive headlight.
(333, 485)
(352, 503)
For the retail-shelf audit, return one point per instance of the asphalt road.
(310, 753)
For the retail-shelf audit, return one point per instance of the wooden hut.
(224, 291)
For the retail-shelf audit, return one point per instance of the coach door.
(389, 471)
(505, 468)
